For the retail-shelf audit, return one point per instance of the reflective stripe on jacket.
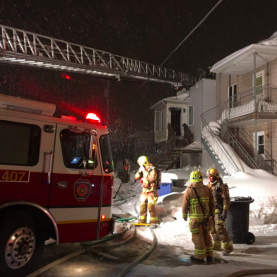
(191, 203)
(149, 178)
(221, 195)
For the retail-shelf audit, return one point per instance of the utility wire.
(204, 18)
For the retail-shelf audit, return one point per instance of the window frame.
(259, 74)
(79, 164)
(232, 97)
(260, 134)
(159, 120)
(192, 116)
(100, 146)
(38, 146)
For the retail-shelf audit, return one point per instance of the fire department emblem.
(82, 189)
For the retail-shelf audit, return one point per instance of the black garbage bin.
(237, 222)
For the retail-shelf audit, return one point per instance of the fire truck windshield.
(76, 149)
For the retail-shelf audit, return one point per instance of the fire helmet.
(142, 160)
(213, 172)
(196, 176)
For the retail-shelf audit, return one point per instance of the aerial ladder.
(19, 47)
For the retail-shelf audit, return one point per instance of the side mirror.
(123, 171)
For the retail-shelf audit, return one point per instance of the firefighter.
(199, 203)
(221, 196)
(149, 195)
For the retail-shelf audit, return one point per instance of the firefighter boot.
(209, 259)
(143, 209)
(195, 260)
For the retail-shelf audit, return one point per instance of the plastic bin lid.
(242, 199)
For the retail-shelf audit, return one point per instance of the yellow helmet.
(196, 176)
(142, 160)
(213, 172)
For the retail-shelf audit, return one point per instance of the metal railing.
(243, 103)
(27, 48)
(261, 161)
(211, 133)
(229, 138)
(188, 135)
(166, 148)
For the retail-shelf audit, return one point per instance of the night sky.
(147, 30)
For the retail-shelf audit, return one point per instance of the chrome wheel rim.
(20, 248)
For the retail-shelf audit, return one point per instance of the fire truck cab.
(56, 181)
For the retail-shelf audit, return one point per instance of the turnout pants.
(148, 200)
(201, 238)
(220, 235)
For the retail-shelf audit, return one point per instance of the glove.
(223, 215)
(185, 217)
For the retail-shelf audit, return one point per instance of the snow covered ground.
(258, 184)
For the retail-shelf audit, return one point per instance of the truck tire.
(21, 244)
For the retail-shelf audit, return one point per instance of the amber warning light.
(103, 216)
(93, 117)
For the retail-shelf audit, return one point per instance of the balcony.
(241, 109)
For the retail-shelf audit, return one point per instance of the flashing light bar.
(93, 117)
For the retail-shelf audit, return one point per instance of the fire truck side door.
(74, 197)
(25, 169)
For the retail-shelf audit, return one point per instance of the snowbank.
(258, 184)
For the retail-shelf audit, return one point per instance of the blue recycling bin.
(166, 188)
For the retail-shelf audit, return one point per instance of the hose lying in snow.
(142, 257)
(74, 254)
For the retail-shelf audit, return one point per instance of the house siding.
(270, 139)
(162, 135)
(244, 83)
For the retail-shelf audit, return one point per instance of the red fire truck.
(56, 181)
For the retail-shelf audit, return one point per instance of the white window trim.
(192, 116)
(259, 74)
(159, 117)
(233, 85)
(261, 133)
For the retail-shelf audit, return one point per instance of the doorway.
(176, 120)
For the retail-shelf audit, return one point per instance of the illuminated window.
(76, 149)
(260, 80)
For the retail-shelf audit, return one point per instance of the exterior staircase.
(169, 153)
(265, 162)
(238, 138)
(218, 163)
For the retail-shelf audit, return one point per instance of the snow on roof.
(242, 61)
(194, 146)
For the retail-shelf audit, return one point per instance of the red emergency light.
(93, 117)
(66, 76)
(103, 216)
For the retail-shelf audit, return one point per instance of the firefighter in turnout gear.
(149, 195)
(199, 203)
(221, 196)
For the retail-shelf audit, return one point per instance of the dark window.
(106, 153)
(232, 94)
(261, 144)
(191, 115)
(76, 148)
(19, 143)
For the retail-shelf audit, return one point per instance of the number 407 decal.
(14, 176)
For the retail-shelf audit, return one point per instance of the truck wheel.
(21, 244)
